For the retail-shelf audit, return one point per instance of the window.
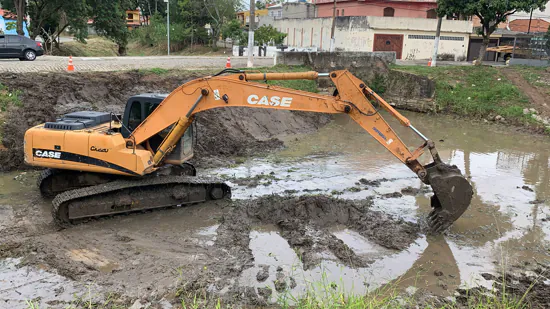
(2, 40)
(130, 16)
(188, 141)
(342, 12)
(134, 118)
(13, 39)
(389, 12)
(432, 14)
(337, 12)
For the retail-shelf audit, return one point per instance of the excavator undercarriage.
(102, 164)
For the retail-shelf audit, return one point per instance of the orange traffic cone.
(228, 63)
(430, 62)
(70, 67)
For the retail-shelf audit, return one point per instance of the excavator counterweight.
(101, 163)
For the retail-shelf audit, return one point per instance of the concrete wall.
(375, 8)
(358, 33)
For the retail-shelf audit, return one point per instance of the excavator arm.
(452, 192)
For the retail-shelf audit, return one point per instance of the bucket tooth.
(452, 195)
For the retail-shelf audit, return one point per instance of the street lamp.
(168, 23)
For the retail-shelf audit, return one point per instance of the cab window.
(188, 140)
(134, 118)
(14, 39)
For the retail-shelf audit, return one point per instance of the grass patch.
(474, 91)
(7, 98)
(94, 47)
(156, 71)
(136, 49)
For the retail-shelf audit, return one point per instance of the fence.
(531, 50)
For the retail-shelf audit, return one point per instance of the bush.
(181, 35)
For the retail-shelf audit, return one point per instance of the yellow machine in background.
(100, 164)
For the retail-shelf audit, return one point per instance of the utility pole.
(436, 43)
(332, 39)
(250, 62)
(168, 23)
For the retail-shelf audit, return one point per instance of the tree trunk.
(121, 50)
(20, 11)
(482, 50)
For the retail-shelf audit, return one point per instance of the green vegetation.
(474, 91)
(8, 98)
(94, 47)
(156, 71)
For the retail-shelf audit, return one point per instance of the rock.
(487, 276)
(263, 273)
(526, 188)
(137, 305)
(526, 111)
(292, 283)
(438, 273)
(537, 202)
(532, 110)
(265, 292)
(498, 118)
(392, 195)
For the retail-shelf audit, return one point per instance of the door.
(13, 45)
(475, 45)
(3, 50)
(389, 42)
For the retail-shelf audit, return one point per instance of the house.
(7, 17)
(244, 16)
(299, 9)
(410, 38)
(134, 19)
(387, 8)
(536, 25)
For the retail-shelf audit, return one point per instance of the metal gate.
(389, 42)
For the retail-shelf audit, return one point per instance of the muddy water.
(508, 222)
(146, 253)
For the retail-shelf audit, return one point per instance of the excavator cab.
(138, 108)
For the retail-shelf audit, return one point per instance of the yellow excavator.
(99, 163)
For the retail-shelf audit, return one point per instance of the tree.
(219, 11)
(260, 5)
(232, 30)
(490, 13)
(50, 18)
(267, 34)
(20, 10)
(110, 20)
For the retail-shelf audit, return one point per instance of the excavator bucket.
(452, 195)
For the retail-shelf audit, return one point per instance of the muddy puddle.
(226, 246)
(507, 224)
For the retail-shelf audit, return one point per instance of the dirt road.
(102, 64)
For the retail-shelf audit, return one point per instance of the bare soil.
(538, 95)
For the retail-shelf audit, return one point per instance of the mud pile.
(223, 132)
(305, 223)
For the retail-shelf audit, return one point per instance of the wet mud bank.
(221, 132)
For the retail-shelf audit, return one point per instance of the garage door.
(389, 42)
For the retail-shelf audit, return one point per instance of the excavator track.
(125, 196)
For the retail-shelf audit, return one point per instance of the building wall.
(416, 9)
(358, 34)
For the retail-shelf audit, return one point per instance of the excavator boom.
(452, 192)
(92, 152)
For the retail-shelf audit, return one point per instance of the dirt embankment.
(221, 133)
